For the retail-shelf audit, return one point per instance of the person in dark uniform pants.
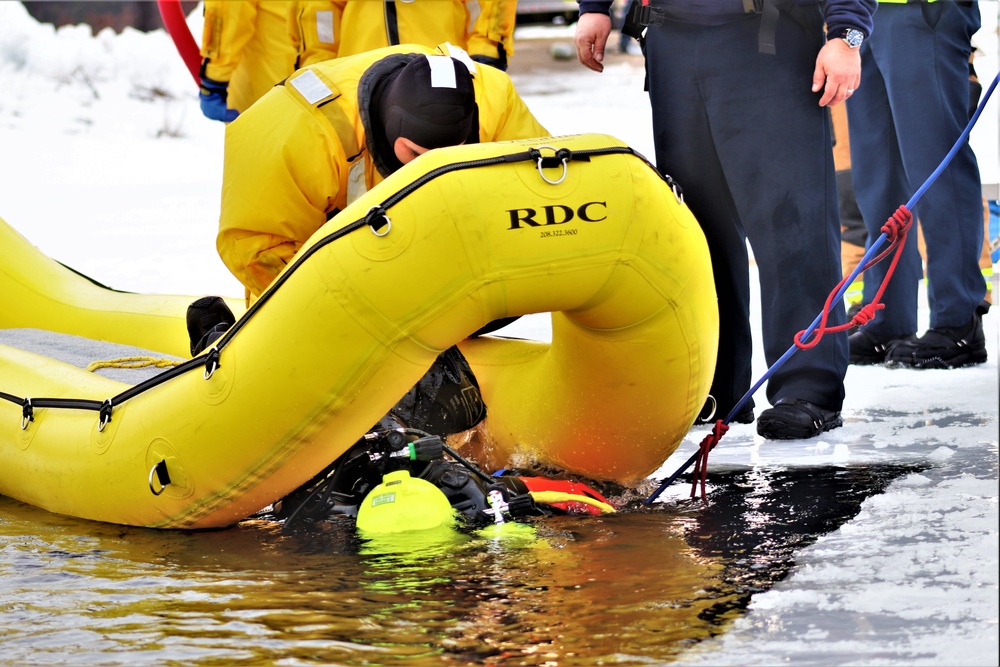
(913, 108)
(739, 92)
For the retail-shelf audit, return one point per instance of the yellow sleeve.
(493, 27)
(503, 115)
(280, 176)
(228, 27)
(314, 27)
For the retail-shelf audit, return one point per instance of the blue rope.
(871, 253)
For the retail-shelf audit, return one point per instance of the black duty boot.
(944, 347)
(795, 419)
(745, 415)
(868, 348)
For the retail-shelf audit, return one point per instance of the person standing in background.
(619, 15)
(327, 29)
(914, 106)
(855, 234)
(245, 50)
(739, 92)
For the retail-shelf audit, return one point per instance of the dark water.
(627, 589)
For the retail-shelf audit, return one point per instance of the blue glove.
(213, 96)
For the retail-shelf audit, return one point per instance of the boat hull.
(461, 237)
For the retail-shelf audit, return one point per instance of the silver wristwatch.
(853, 37)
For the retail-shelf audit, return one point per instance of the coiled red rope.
(895, 229)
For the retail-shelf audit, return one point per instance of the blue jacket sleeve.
(839, 14)
(857, 14)
(595, 7)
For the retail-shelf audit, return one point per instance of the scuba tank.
(401, 503)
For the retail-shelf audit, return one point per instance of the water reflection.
(630, 588)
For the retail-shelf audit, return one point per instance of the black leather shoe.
(944, 347)
(795, 419)
(868, 349)
(744, 416)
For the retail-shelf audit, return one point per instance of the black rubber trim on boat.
(212, 355)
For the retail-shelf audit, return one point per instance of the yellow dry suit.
(246, 44)
(303, 152)
(325, 29)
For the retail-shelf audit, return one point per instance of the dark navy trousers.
(745, 137)
(911, 107)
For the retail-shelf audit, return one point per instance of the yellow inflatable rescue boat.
(579, 226)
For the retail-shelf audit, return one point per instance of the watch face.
(854, 38)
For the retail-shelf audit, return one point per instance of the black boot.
(795, 419)
(944, 347)
(207, 319)
(868, 348)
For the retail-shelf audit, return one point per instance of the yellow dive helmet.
(403, 503)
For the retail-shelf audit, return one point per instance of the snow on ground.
(107, 165)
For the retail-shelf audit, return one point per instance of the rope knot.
(701, 464)
(866, 314)
(898, 223)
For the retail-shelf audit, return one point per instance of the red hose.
(176, 24)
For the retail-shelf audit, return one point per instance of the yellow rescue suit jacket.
(325, 29)
(301, 154)
(246, 43)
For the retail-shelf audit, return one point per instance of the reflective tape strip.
(356, 183)
(461, 56)
(442, 71)
(311, 87)
(324, 27)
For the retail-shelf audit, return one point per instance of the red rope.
(701, 464)
(895, 229)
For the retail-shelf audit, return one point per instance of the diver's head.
(430, 103)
